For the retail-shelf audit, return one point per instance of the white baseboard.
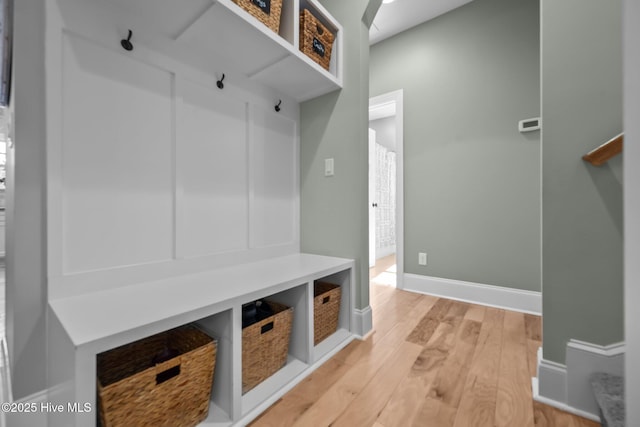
(476, 293)
(386, 251)
(552, 380)
(562, 406)
(567, 387)
(363, 322)
(584, 359)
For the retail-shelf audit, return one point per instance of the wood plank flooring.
(430, 362)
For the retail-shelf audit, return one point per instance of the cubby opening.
(298, 352)
(178, 363)
(327, 20)
(342, 279)
(208, 302)
(220, 327)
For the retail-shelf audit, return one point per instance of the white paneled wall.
(214, 172)
(117, 150)
(162, 173)
(274, 195)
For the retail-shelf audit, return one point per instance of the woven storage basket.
(266, 11)
(316, 40)
(326, 309)
(132, 391)
(265, 346)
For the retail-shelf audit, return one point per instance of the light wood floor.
(430, 362)
(385, 265)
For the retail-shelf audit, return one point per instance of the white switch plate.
(328, 167)
(422, 258)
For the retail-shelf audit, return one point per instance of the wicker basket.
(266, 11)
(316, 40)
(134, 391)
(265, 346)
(326, 309)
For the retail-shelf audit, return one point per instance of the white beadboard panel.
(117, 157)
(213, 170)
(274, 187)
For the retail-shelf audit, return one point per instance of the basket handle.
(319, 29)
(167, 370)
(266, 327)
(326, 299)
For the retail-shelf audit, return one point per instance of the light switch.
(328, 167)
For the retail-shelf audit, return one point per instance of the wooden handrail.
(604, 152)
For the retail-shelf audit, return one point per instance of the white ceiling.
(393, 18)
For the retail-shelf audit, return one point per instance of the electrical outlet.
(422, 258)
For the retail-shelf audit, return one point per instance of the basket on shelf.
(266, 11)
(316, 41)
(265, 346)
(326, 310)
(162, 380)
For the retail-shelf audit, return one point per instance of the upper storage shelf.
(218, 36)
(228, 33)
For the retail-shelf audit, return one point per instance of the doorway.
(386, 189)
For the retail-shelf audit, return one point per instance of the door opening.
(385, 189)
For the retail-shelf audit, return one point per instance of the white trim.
(38, 397)
(584, 359)
(386, 251)
(631, 153)
(551, 380)
(558, 405)
(476, 293)
(397, 97)
(567, 387)
(362, 322)
(607, 350)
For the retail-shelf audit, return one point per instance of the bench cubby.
(85, 325)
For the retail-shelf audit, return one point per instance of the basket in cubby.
(316, 41)
(162, 380)
(326, 310)
(265, 346)
(266, 11)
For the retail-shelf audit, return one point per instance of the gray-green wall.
(472, 180)
(582, 204)
(334, 210)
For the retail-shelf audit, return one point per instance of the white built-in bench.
(84, 325)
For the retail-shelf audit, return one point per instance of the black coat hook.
(219, 83)
(126, 43)
(277, 107)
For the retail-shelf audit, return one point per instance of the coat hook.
(126, 43)
(277, 107)
(219, 83)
